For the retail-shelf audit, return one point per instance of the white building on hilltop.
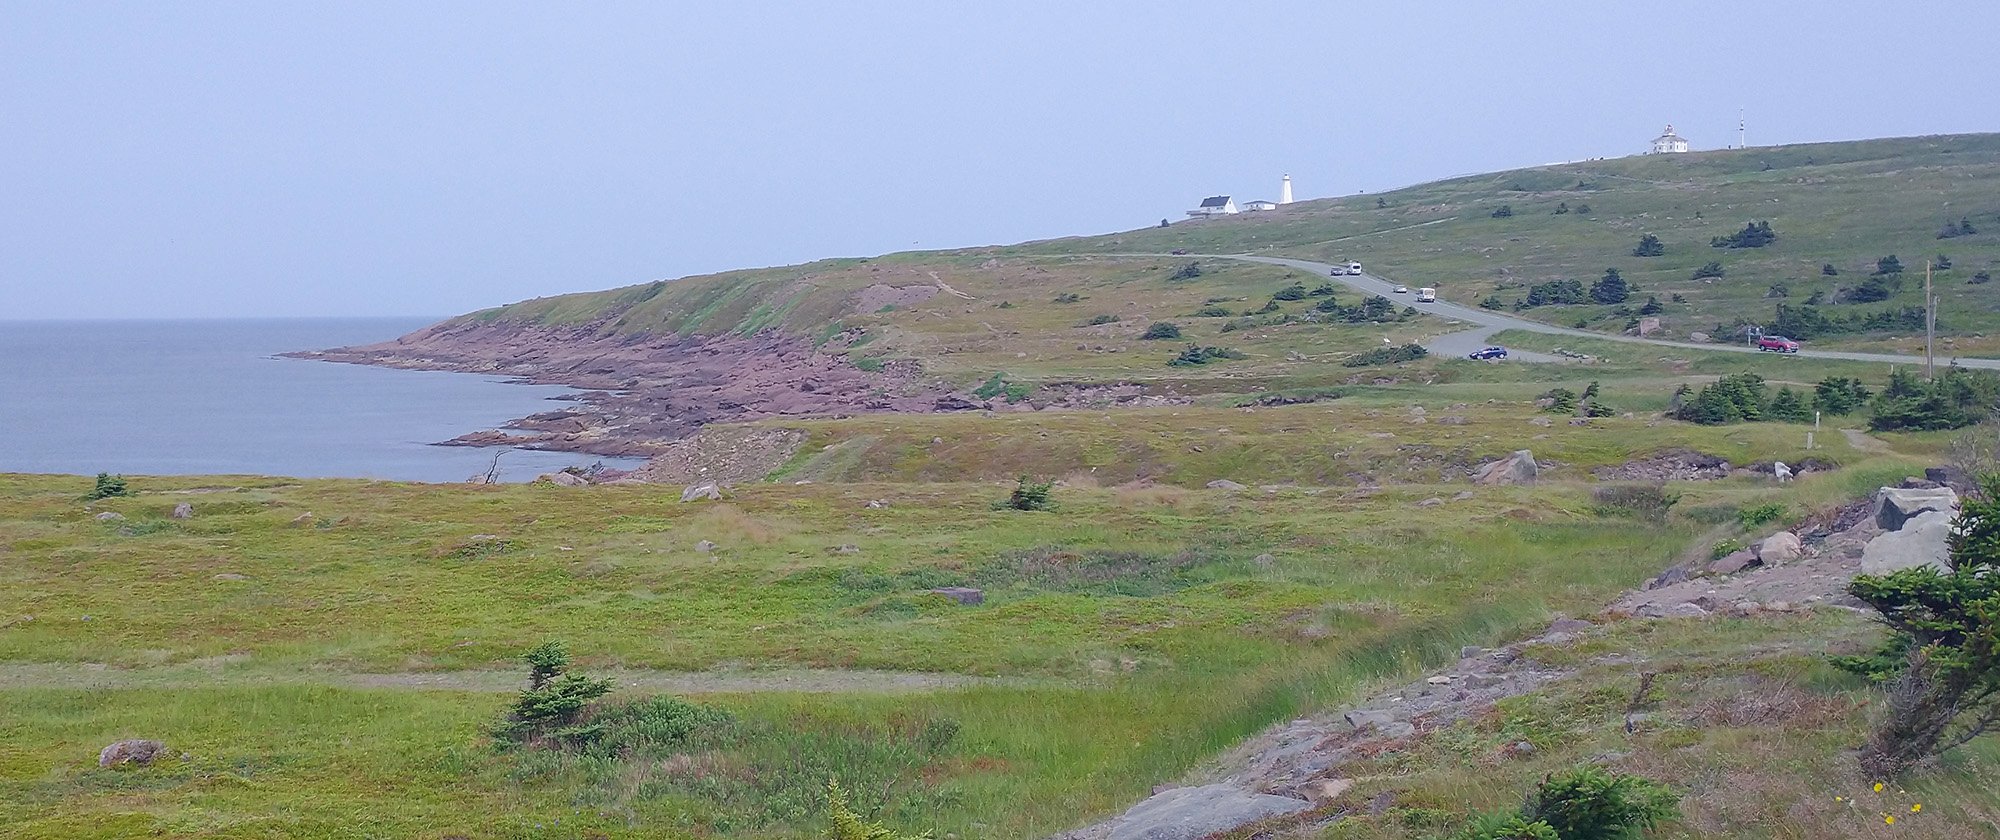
(1285, 191)
(1669, 143)
(1215, 205)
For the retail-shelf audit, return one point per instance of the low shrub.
(1386, 356)
(1650, 502)
(1067, 297)
(1592, 803)
(1161, 330)
(1030, 495)
(551, 710)
(1214, 311)
(107, 486)
(869, 363)
(1197, 355)
(1295, 291)
(1755, 516)
(1506, 826)
(1096, 320)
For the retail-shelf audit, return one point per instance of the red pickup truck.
(1777, 344)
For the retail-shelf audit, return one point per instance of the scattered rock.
(111, 516)
(1438, 680)
(1431, 502)
(1518, 468)
(1397, 730)
(705, 547)
(1566, 624)
(1733, 562)
(184, 510)
(1470, 651)
(876, 504)
(1669, 465)
(1689, 610)
(564, 479)
(1780, 548)
(963, 594)
(701, 491)
(1539, 421)
(1264, 561)
(1369, 718)
(1224, 484)
(1461, 495)
(132, 751)
(1451, 420)
(1191, 813)
(1957, 479)
(843, 549)
(1669, 577)
(302, 520)
(229, 576)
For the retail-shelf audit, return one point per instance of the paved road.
(1491, 322)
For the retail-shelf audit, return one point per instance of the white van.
(1427, 295)
(1354, 268)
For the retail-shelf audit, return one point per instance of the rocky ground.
(1288, 777)
(641, 393)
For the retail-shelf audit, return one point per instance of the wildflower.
(1878, 787)
(1917, 807)
(1889, 818)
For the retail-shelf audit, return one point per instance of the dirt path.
(232, 672)
(1862, 442)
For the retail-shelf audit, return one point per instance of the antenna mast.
(1742, 133)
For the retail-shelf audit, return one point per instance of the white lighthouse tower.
(1285, 191)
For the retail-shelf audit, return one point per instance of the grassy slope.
(1840, 203)
(1181, 646)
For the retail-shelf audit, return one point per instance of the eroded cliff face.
(645, 391)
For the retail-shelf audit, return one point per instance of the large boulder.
(1224, 484)
(1896, 505)
(184, 510)
(702, 491)
(1780, 548)
(137, 751)
(1518, 468)
(562, 479)
(1923, 540)
(1190, 813)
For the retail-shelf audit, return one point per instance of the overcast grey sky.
(203, 159)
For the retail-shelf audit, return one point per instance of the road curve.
(1492, 322)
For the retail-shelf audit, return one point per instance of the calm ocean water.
(207, 397)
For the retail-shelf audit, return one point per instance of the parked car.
(1488, 353)
(1338, 270)
(1401, 290)
(1179, 251)
(1777, 344)
(1354, 268)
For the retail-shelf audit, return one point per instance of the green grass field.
(336, 680)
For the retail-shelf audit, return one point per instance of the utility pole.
(1930, 324)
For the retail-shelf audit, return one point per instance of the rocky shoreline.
(641, 393)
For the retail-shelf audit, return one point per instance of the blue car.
(1488, 353)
